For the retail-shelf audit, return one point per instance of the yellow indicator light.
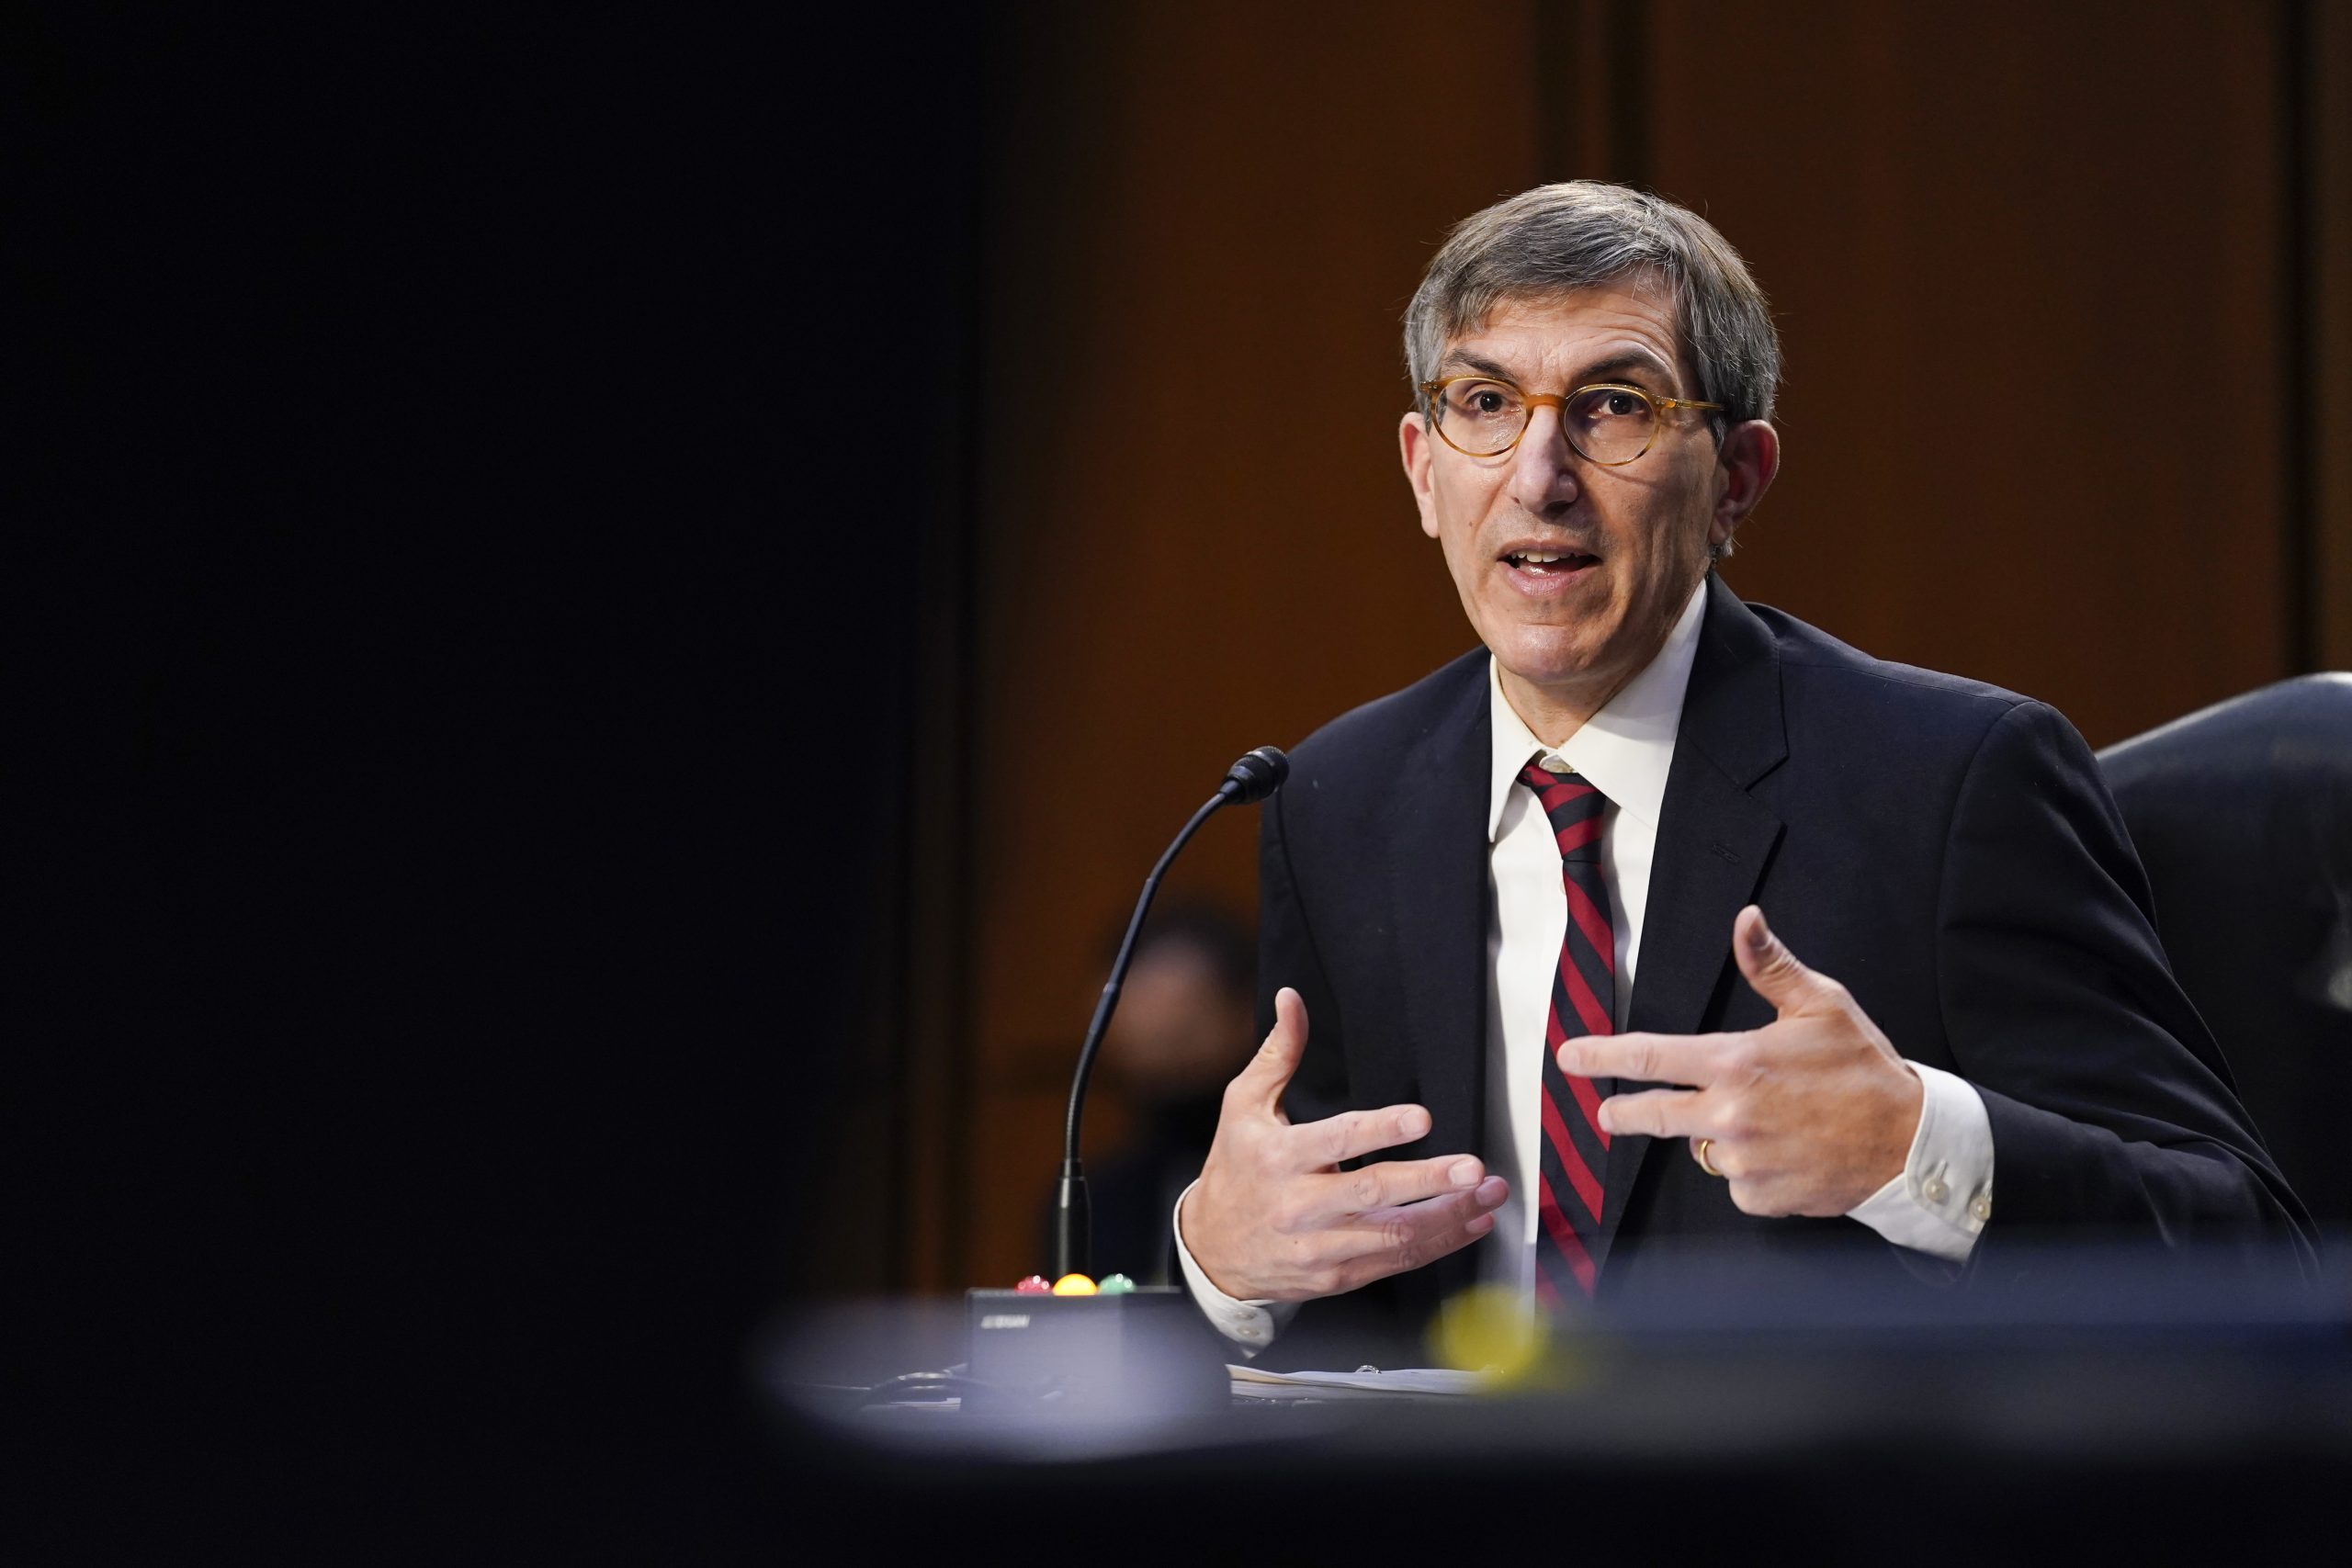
(1073, 1285)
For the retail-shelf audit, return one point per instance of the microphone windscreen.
(1256, 775)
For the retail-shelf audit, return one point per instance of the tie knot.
(1574, 808)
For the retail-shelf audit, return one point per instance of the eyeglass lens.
(1607, 424)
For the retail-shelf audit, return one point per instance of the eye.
(1482, 401)
(1619, 409)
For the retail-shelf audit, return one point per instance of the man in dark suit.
(1514, 920)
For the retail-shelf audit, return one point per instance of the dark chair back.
(2243, 815)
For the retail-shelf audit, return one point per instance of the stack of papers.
(1364, 1382)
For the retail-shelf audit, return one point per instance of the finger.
(1260, 1084)
(1352, 1134)
(1772, 971)
(1392, 1183)
(1694, 1059)
(1656, 1112)
(1718, 1154)
(1389, 1241)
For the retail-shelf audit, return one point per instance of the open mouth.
(1549, 563)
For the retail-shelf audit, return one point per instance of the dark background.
(464, 743)
(612, 603)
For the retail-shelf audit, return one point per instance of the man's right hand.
(1273, 1217)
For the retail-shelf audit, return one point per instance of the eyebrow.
(1618, 364)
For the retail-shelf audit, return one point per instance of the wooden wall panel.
(2327, 182)
(2025, 260)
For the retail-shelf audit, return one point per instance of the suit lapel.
(1438, 904)
(1713, 839)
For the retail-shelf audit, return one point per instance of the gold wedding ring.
(1700, 1150)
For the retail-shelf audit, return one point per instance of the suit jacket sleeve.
(2111, 1106)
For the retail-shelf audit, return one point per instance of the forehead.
(1542, 337)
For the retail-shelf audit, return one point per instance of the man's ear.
(1419, 448)
(1744, 464)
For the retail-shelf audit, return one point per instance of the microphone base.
(1144, 1351)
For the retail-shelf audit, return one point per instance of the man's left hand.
(1808, 1115)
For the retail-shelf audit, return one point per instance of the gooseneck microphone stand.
(1253, 778)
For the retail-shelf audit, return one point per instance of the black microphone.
(1256, 775)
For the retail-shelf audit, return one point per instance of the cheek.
(1456, 528)
(1671, 546)
(1460, 501)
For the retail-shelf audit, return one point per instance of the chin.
(1549, 673)
(1546, 655)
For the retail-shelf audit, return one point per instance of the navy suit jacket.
(1945, 849)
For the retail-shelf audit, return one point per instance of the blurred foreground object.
(1775, 1388)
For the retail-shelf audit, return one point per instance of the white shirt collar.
(1625, 749)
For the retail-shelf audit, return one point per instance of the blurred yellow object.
(1488, 1328)
(1073, 1285)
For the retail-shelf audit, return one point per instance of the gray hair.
(1581, 235)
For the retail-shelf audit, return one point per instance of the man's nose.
(1544, 466)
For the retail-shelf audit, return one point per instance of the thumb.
(1269, 1073)
(1771, 970)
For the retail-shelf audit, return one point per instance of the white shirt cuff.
(1251, 1326)
(1939, 1205)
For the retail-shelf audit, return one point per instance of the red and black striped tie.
(1575, 1149)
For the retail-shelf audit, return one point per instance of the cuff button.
(1981, 1206)
(1934, 1191)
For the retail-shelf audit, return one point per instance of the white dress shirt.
(1937, 1207)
